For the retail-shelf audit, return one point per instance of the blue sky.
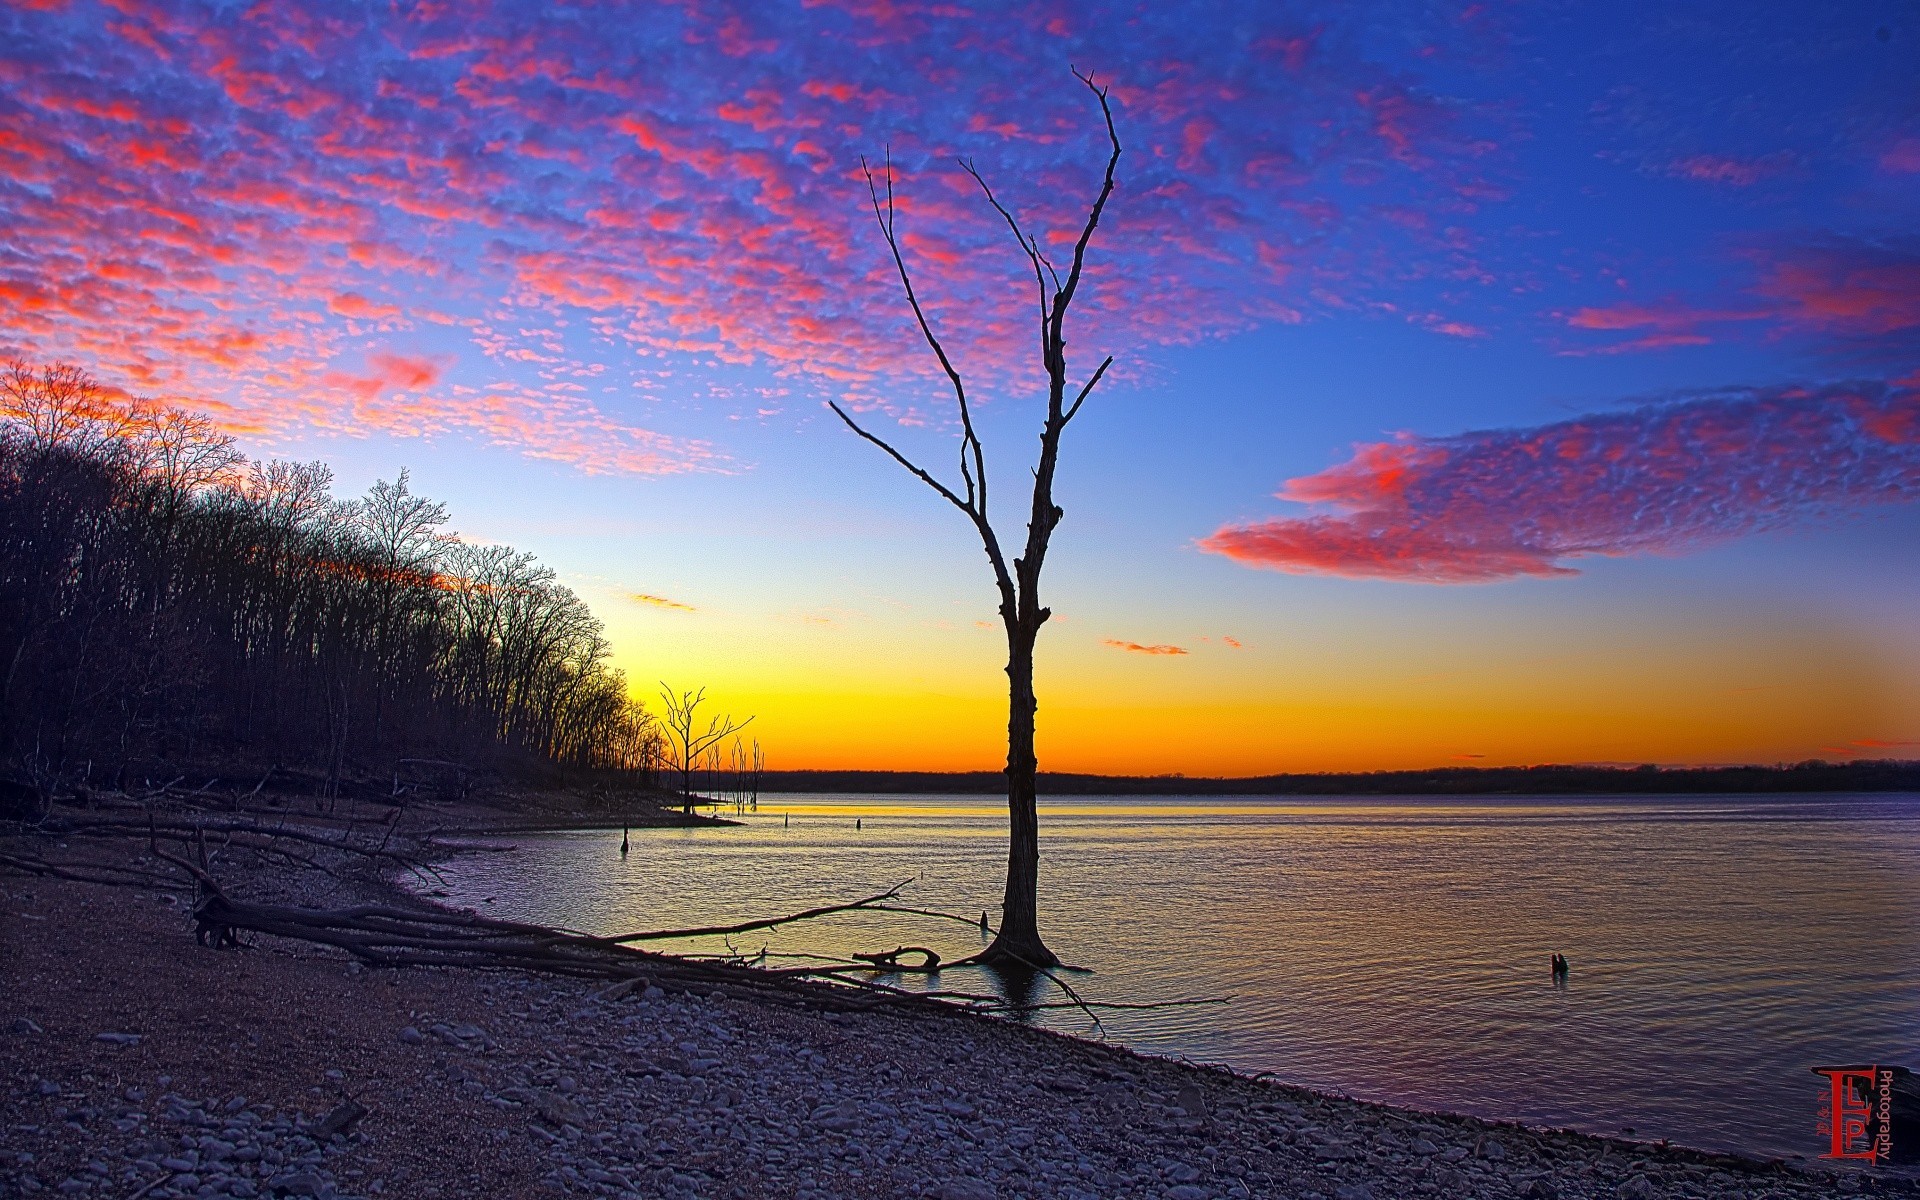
(1511, 382)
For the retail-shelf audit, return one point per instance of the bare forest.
(166, 602)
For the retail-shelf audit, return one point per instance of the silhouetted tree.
(686, 743)
(1021, 612)
(159, 596)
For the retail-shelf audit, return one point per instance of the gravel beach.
(140, 1064)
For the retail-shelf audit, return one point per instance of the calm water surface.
(1388, 948)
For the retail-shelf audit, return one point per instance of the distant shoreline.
(1861, 776)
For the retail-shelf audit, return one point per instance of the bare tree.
(158, 602)
(59, 406)
(686, 742)
(1021, 612)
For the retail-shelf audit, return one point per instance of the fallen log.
(383, 936)
(889, 960)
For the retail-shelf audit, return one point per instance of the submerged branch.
(750, 926)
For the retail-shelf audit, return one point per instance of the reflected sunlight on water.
(1392, 949)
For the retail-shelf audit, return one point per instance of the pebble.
(681, 1097)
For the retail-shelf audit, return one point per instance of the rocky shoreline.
(139, 1064)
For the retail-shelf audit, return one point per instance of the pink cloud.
(1902, 158)
(1855, 290)
(1670, 323)
(1733, 172)
(390, 373)
(1663, 479)
(1137, 648)
(1846, 288)
(210, 195)
(1652, 341)
(353, 304)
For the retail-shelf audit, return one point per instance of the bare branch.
(886, 222)
(903, 460)
(1028, 246)
(1087, 390)
(765, 923)
(1065, 296)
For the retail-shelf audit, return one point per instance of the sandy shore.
(137, 1063)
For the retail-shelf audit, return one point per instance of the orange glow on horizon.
(828, 697)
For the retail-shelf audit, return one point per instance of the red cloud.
(1861, 291)
(1670, 322)
(391, 373)
(1663, 479)
(1848, 288)
(1137, 648)
(353, 304)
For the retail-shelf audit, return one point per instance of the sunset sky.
(1495, 383)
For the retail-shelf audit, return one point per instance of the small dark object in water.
(786, 820)
(856, 822)
(983, 920)
(623, 841)
(1559, 966)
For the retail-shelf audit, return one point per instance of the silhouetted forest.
(163, 599)
(1815, 776)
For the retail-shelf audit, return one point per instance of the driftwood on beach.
(184, 850)
(384, 936)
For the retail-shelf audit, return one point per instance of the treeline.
(1813, 776)
(164, 599)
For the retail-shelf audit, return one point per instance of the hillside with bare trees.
(164, 601)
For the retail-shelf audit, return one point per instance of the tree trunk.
(1019, 938)
(1018, 942)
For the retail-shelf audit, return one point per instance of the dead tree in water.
(686, 742)
(1019, 583)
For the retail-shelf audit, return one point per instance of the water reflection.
(1021, 987)
(1392, 949)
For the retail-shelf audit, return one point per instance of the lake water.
(1393, 949)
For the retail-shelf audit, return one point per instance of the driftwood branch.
(889, 960)
(750, 926)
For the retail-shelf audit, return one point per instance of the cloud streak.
(1137, 648)
(661, 602)
(1661, 479)
(1862, 295)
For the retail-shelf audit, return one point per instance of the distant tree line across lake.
(164, 599)
(1812, 776)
